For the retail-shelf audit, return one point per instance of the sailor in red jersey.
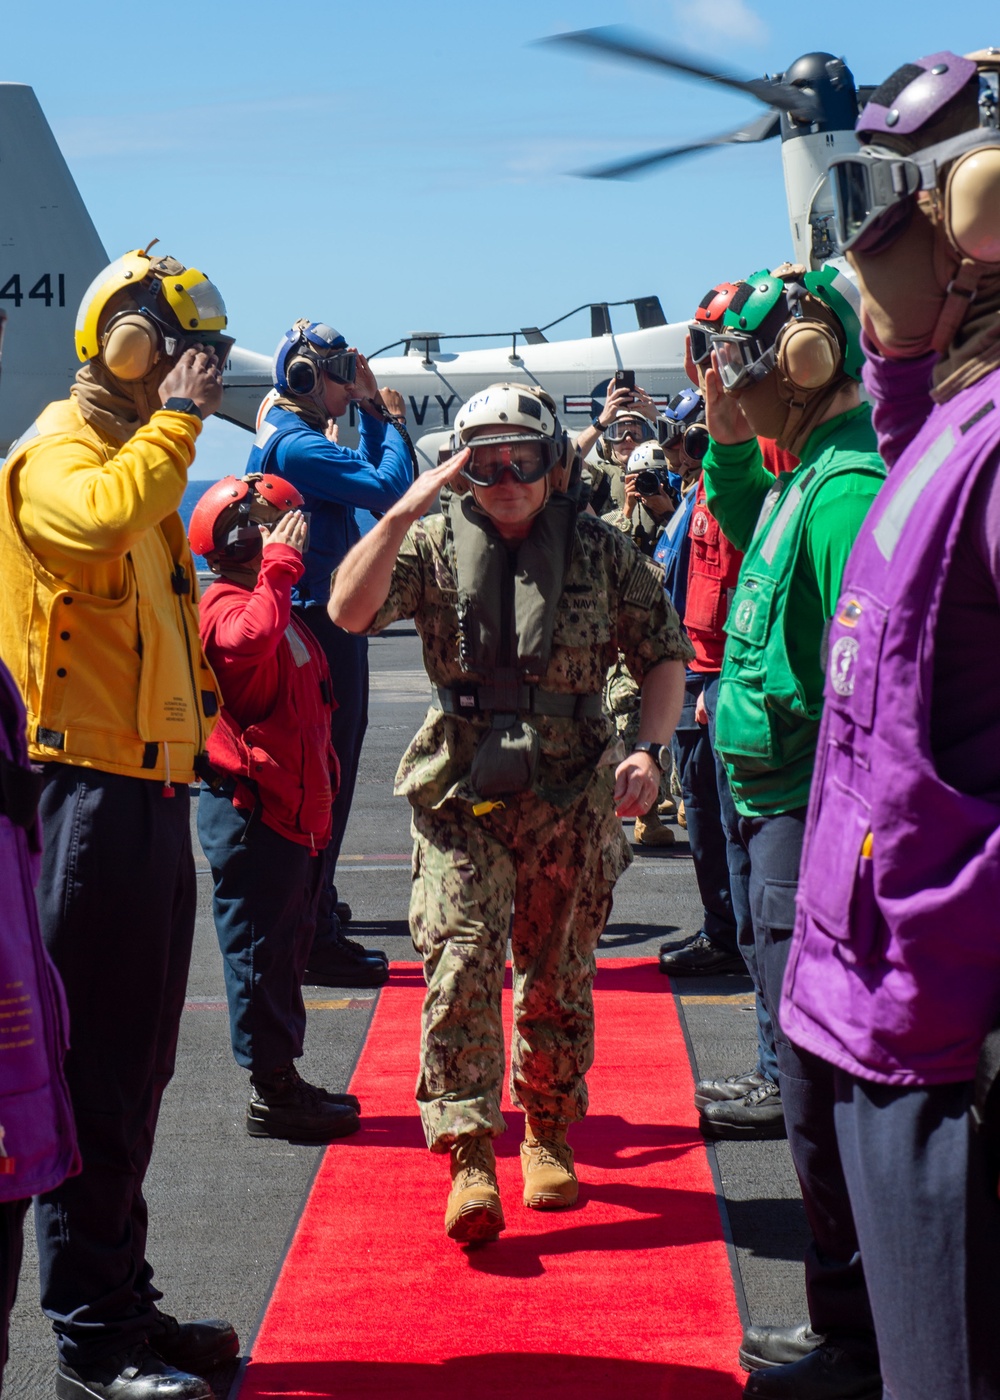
(267, 815)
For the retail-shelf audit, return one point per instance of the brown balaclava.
(781, 409)
(918, 292)
(118, 407)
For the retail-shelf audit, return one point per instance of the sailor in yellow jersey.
(99, 626)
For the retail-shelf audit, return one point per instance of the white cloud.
(703, 21)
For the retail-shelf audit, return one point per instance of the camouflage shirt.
(612, 600)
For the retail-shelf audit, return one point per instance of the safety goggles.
(341, 367)
(700, 338)
(211, 340)
(872, 186)
(742, 360)
(638, 429)
(527, 458)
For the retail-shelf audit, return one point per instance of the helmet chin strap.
(960, 295)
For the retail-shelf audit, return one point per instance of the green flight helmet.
(843, 298)
(744, 342)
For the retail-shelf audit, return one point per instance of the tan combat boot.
(668, 809)
(650, 831)
(547, 1167)
(474, 1213)
(681, 816)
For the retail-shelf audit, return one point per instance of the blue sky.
(404, 166)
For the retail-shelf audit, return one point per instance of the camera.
(648, 482)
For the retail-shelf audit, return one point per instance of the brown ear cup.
(809, 356)
(972, 205)
(130, 348)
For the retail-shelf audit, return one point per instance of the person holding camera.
(646, 473)
(100, 631)
(515, 776)
(317, 376)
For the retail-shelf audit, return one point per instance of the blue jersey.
(335, 481)
(673, 550)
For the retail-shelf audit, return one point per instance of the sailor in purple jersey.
(893, 982)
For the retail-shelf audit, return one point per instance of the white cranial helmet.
(507, 405)
(647, 454)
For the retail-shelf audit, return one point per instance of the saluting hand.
(291, 530)
(418, 498)
(724, 418)
(196, 376)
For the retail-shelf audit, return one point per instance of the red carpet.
(629, 1295)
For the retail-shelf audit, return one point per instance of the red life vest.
(712, 574)
(714, 569)
(286, 758)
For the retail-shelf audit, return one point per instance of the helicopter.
(50, 251)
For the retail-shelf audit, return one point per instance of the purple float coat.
(35, 1113)
(894, 971)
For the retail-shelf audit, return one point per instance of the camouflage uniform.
(539, 869)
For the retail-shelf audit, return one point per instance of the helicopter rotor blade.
(614, 41)
(761, 130)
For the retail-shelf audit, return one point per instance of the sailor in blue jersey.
(317, 375)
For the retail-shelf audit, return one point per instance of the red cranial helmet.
(224, 523)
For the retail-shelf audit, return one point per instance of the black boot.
(283, 1105)
(193, 1346)
(777, 1346)
(833, 1371)
(129, 1375)
(341, 962)
(700, 957)
(757, 1115)
(737, 1086)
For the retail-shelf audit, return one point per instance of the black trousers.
(347, 657)
(12, 1215)
(835, 1281)
(116, 901)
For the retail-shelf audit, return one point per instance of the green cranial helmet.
(753, 302)
(843, 298)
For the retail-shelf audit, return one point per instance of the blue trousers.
(116, 901)
(835, 1281)
(928, 1222)
(347, 657)
(738, 862)
(264, 902)
(696, 771)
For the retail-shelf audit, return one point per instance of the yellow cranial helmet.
(164, 304)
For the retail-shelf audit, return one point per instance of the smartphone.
(624, 379)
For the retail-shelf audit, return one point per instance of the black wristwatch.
(659, 753)
(183, 406)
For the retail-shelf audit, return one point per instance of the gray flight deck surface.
(222, 1206)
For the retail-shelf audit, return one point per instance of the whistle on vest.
(482, 809)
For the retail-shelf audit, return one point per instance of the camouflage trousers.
(543, 876)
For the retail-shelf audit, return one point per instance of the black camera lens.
(647, 483)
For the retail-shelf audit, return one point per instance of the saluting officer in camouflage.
(515, 776)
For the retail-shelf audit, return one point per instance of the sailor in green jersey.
(786, 365)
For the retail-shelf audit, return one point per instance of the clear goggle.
(742, 360)
(700, 338)
(637, 429)
(526, 458)
(872, 187)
